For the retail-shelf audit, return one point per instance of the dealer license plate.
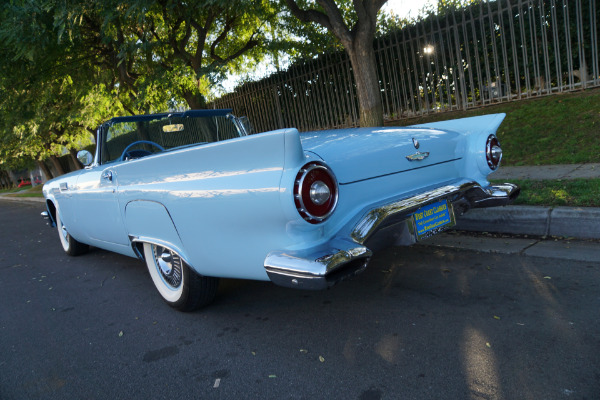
(433, 218)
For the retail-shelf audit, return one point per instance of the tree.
(53, 92)
(195, 44)
(355, 28)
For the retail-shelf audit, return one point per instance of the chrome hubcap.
(64, 232)
(169, 265)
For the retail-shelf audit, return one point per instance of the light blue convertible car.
(198, 198)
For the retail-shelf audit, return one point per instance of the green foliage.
(69, 65)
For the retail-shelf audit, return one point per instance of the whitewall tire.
(71, 246)
(180, 286)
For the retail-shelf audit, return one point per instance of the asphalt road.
(420, 323)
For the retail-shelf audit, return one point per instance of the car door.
(98, 211)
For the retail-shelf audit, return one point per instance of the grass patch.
(13, 190)
(35, 191)
(573, 193)
(27, 195)
(556, 129)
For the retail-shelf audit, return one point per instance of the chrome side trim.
(137, 241)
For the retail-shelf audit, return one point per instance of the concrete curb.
(548, 172)
(575, 222)
(21, 199)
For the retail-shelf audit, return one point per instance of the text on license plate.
(432, 217)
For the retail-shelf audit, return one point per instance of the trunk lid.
(364, 153)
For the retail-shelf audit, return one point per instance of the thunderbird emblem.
(418, 156)
(416, 143)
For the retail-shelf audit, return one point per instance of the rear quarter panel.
(223, 200)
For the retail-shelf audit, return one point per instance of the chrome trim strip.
(157, 242)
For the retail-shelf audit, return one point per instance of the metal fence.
(489, 52)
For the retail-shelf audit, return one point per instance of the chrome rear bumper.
(388, 224)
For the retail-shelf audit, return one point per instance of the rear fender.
(150, 222)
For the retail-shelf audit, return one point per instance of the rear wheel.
(180, 286)
(71, 246)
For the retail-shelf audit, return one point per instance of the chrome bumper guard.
(389, 224)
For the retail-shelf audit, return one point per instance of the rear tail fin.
(481, 124)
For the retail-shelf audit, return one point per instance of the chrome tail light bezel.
(493, 152)
(306, 177)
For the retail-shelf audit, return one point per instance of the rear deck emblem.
(418, 156)
(416, 143)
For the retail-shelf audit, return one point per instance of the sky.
(404, 8)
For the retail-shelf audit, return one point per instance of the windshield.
(163, 133)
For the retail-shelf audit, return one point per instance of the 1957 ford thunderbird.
(197, 198)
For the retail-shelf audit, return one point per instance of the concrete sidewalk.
(548, 172)
(21, 199)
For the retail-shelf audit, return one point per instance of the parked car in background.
(24, 182)
(198, 199)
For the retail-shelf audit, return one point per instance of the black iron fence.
(489, 52)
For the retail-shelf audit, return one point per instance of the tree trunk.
(195, 101)
(76, 162)
(358, 43)
(57, 166)
(363, 61)
(5, 180)
(45, 169)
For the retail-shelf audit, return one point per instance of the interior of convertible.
(124, 140)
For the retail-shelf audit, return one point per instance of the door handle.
(107, 175)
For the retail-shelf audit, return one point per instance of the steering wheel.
(139, 153)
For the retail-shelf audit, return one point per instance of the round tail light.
(315, 192)
(493, 152)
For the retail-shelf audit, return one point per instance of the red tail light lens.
(493, 152)
(315, 192)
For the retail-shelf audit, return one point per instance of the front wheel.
(180, 286)
(71, 246)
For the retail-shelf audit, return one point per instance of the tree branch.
(332, 19)
(248, 46)
(228, 25)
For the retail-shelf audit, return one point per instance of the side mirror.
(245, 122)
(85, 157)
